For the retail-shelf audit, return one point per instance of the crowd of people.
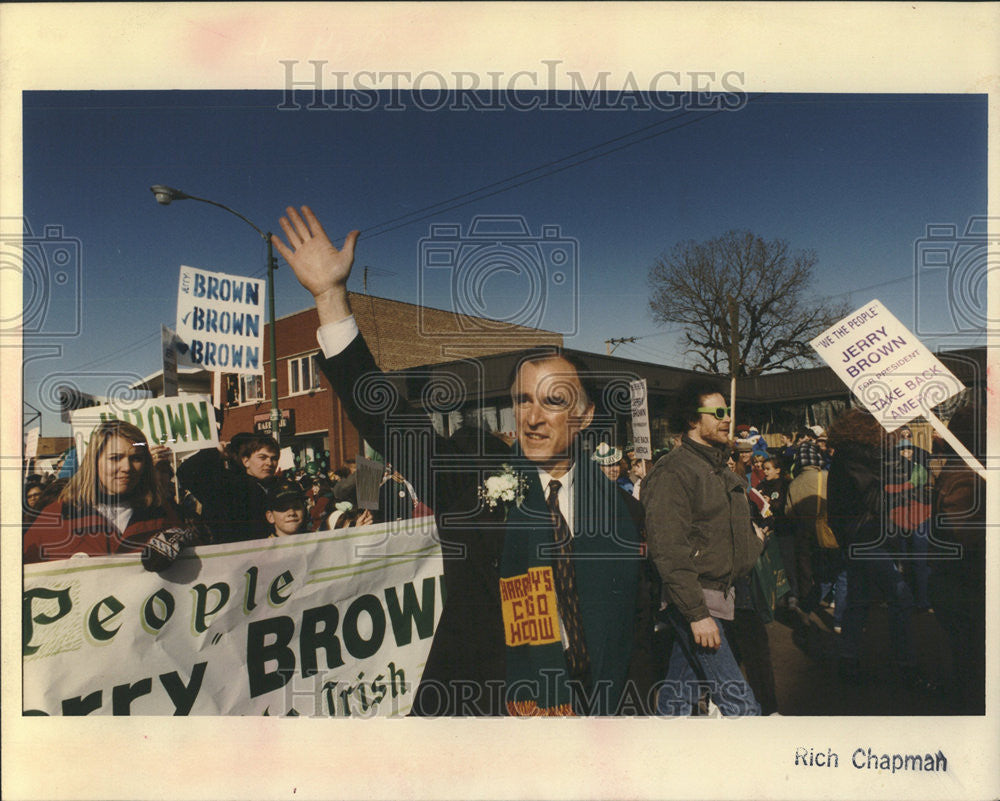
(124, 493)
(648, 584)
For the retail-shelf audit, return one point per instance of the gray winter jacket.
(698, 525)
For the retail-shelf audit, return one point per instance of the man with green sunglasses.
(718, 412)
(701, 540)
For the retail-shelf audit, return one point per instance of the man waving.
(541, 587)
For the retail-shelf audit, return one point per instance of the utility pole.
(734, 359)
(616, 342)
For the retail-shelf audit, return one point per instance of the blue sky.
(856, 178)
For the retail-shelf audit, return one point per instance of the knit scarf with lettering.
(606, 558)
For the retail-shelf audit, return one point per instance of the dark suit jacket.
(466, 668)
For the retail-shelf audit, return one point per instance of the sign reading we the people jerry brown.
(886, 367)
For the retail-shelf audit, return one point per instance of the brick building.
(401, 335)
(432, 353)
(776, 402)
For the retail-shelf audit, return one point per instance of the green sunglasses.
(720, 412)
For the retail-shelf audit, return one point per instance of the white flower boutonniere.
(504, 488)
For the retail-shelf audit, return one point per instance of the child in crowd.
(285, 509)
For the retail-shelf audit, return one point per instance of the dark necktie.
(569, 601)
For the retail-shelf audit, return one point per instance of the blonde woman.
(114, 504)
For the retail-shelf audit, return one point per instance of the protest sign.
(331, 624)
(168, 343)
(641, 439)
(71, 399)
(185, 423)
(31, 443)
(889, 370)
(220, 320)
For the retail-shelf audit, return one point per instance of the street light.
(164, 195)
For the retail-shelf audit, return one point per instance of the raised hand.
(161, 455)
(320, 267)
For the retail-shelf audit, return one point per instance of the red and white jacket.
(63, 530)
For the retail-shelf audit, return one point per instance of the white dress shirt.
(565, 493)
(334, 337)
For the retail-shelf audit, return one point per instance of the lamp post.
(164, 195)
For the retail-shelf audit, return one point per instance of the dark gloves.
(161, 551)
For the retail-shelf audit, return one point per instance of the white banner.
(641, 440)
(185, 423)
(887, 368)
(328, 624)
(220, 318)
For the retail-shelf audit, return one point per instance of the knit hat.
(338, 510)
(606, 455)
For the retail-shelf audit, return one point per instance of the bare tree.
(693, 284)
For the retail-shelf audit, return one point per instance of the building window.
(251, 388)
(303, 374)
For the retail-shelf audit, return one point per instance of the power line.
(873, 286)
(543, 166)
(481, 193)
(648, 352)
(664, 332)
(120, 352)
(581, 161)
(474, 195)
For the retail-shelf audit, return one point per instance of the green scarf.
(606, 559)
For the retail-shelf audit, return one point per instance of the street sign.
(286, 426)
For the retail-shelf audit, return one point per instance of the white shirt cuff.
(333, 338)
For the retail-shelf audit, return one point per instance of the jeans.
(713, 670)
(748, 638)
(839, 587)
(915, 545)
(870, 580)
